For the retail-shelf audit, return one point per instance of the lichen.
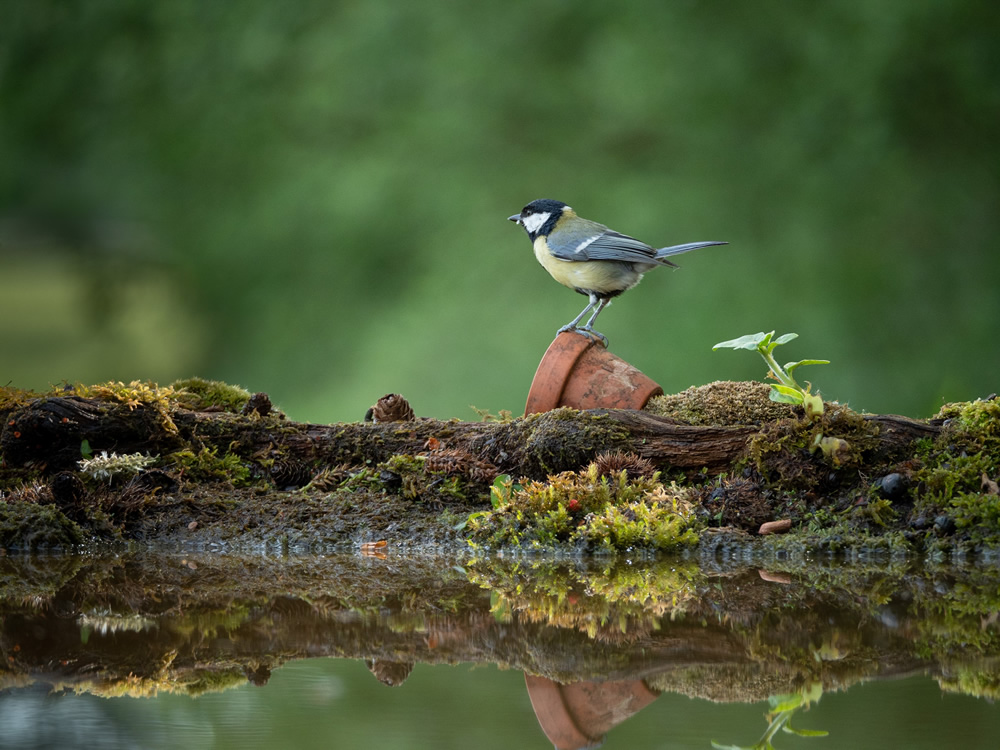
(108, 465)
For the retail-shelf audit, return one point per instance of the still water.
(219, 651)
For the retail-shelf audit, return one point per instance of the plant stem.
(778, 371)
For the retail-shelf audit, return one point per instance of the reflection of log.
(49, 431)
(152, 623)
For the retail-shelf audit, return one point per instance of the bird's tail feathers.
(665, 252)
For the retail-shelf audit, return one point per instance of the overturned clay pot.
(578, 371)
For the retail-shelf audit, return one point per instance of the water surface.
(200, 650)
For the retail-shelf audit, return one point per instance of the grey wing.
(600, 243)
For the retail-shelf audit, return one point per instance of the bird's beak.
(516, 218)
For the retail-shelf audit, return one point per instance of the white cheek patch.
(535, 222)
(586, 243)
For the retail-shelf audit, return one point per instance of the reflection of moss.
(583, 509)
(194, 683)
(982, 681)
(606, 603)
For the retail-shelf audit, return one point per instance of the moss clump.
(198, 394)
(134, 395)
(808, 454)
(722, 403)
(207, 466)
(955, 482)
(587, 511)
(14, 398)
(31, 526)
(411, 477)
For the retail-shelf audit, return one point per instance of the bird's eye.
(527, 210)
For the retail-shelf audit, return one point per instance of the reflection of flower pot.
(578, 715)
(579, 371)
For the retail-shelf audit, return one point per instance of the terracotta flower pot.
(580, 372)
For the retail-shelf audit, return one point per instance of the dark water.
(223, 651)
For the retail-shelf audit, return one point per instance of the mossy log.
(206, 463)
(46, 434)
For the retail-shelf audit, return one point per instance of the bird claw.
(584, 331)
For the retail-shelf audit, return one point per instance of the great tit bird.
(589, 257)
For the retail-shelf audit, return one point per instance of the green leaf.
(85, 449)
(785, 702)
(785, 338)
(784, 394)
(500, 491)
(804, 732)
(750, 342)
(792, 365)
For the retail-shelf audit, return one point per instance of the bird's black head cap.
(540, 216)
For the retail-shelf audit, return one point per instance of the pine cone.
(612, 464)
(258, 403)
(390, 408)
(290, 473)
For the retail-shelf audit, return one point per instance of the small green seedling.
(783, 707)
(786, 390)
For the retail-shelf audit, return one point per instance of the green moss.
(134, 395)
(801, 453)
(14, 398)
(199, 394)
(584, 509)
(953, 483)
(417, 482)
(207, 466)
(565, 437)
(721, 403)
(32, 526)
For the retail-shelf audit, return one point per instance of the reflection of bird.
(589, 257)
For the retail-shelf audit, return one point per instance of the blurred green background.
(309, 198)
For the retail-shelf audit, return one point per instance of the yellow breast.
(601, 276)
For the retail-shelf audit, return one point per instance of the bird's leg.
(572, 325)
(588, 327)
(587, 330)
(601, 304)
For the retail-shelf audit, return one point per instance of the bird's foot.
(590, 333)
